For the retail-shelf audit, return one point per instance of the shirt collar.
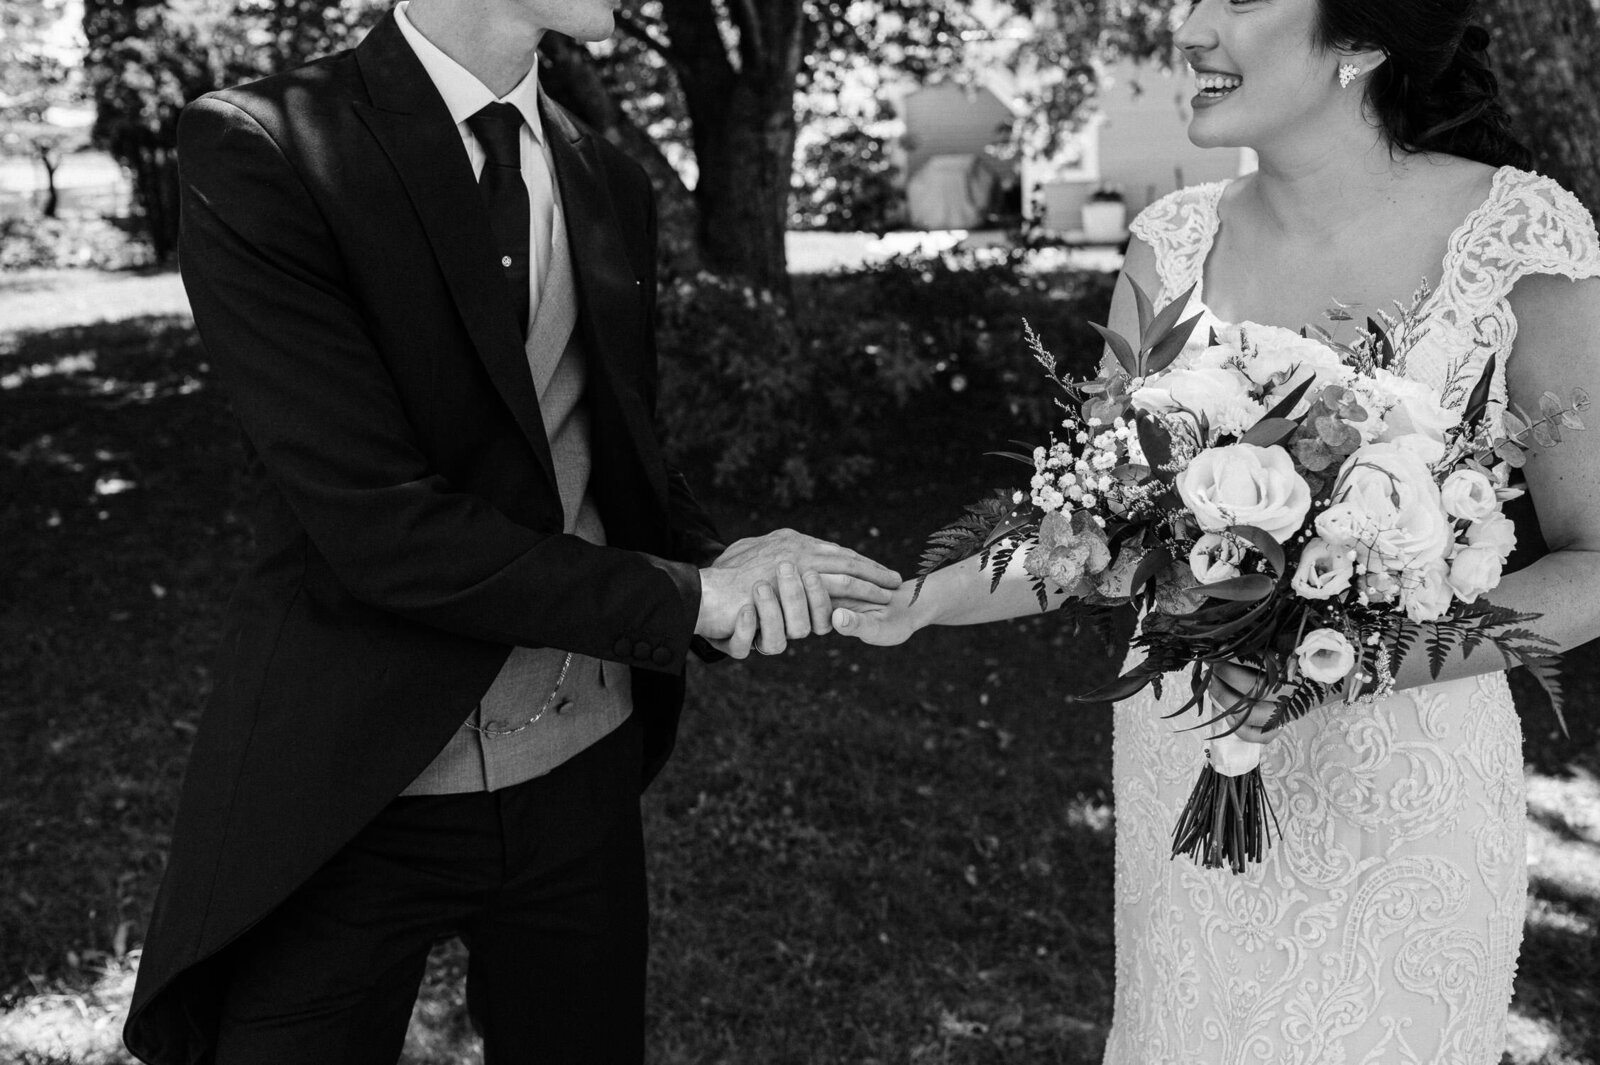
(463, 93)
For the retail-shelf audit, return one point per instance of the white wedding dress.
(1384, 926)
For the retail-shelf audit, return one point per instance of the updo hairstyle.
(1435, 92)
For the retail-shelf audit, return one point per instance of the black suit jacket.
(339, 262)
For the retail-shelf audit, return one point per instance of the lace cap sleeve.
(1534, 227)
(1179, 228)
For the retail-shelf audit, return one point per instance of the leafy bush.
(27, 242)
(872, 369)
(845, 182)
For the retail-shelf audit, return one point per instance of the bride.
(1385, 925)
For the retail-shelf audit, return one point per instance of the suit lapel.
(611, 316)
(411, 122)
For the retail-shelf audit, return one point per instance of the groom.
(459, 654)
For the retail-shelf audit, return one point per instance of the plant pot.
(1105, 221)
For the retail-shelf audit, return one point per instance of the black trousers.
(543, 881)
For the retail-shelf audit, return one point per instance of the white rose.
(1219, 394)
(1496, 531)
(1411, 407)
(1345, 525)
(1388, 486)
(1467, 494)
(1243, 484)
(1324, 571)
(1277, 361)
(1425, 590)
(1475, 570)
(1215, 357)
(1215, 558)
(1424, 447)
(1326, 656)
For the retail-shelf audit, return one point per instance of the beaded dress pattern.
(1384, 926)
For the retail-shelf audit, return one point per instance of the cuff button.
(662, 657)
(641, 650)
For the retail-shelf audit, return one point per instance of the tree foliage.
(725, 85)
(148, 58)
(1544, 55)
(34, 81)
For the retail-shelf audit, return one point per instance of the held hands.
(882, 625)
(765, 591)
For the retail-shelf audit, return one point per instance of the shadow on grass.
(856, 855)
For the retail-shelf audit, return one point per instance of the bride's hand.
(1238, 689)
(881, 626)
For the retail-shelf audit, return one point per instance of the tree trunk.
(1544, 55)
(52, 197)
(741, 108)
(745, 150)
(155, 186)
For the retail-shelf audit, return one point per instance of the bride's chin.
(1204, 134)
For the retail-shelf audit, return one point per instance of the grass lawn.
(857, 855)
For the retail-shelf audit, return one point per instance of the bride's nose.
(1196, 35)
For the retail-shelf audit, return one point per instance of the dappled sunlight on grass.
(81, 1027)
(1556, 1017)
(893, 856)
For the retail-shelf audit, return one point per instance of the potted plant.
(1105, 216)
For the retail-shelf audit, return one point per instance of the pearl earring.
(1348, 72)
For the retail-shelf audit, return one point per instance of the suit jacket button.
(641, 651)
(663, 656)
(623, 647)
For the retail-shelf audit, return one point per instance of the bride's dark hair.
(1436, 91)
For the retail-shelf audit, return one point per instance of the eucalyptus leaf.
(1511, 455)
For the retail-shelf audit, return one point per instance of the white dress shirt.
(465, 96)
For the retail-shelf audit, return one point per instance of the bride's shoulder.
(1179, 215)
(1531, 219)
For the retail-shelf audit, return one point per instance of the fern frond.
(965, 537)
(1305, 697)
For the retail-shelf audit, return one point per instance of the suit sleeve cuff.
(686, 578)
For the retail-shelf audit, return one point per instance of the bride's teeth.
(1218, 84)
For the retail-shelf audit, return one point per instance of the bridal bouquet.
(1277, 499)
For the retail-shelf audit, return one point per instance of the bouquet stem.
(1228, 821)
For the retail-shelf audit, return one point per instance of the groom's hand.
(791, 581)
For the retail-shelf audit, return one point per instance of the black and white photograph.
(799, 532)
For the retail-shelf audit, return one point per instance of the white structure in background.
(951, 154)
(1136, 144)
(955, 160)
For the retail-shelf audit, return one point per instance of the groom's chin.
(597, 22)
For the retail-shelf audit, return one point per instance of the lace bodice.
(1384, 926)
(1526, 225)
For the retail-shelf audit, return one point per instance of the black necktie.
(498, 128)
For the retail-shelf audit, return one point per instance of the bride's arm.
(1557, 350)
(959, 594)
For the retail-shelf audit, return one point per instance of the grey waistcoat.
(596, 695)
